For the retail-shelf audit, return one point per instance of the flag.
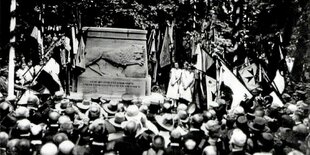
(249, 75)
(289, 63)
(80, 56)
(279, 82)
(211, 89)
(277, 102)
(48, 77)
(232, 87)
(152, 46)
(275, 59)
(199, 62)
(165, 57)
(269, 89)
(209, 83)
(36, 34)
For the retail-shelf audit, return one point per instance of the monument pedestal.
(116, 63)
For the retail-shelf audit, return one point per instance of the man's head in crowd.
(131, 128)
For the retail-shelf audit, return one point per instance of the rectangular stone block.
(116, 62)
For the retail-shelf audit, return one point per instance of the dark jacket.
(127, 145)
(174, 149)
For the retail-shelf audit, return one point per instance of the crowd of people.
(155, 125)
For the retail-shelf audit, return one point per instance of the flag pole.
(12, 52)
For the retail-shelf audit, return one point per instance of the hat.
(144, 109)
(4, 138)
(210, 150)
(76, 97)
(238, 138)
(221, 101)
(22, 112)
(63, 119)
(94, 110)
(238, 110)
(67, 126)
(158, 141)
(300, 129)
(166, 107)
(286, 96)
(258, 124)
(175, 134)
(190, 144)
(117, 119)
(80, 150)
(154, 97)
(35, 129)
(127, 98)
(5, 106)
(23, 125)
(291, 108)
(287, 121)
(295, 152)
(96, 123)
(23, 146)
(132, 112)
(266, 139)
(183, 116)
(12, 144)
(111, 107)
(213, 104)
(62, 105)
(257, 90)
(212, 125)
(197, 119)
(130, 127)
(53, 116)
(165, 121)
(241, 121)
(49, 149)
(85, 104)
(66, 147)
(182, 107)
(58, 95)
(301, 104)
(33, 100)
(191, 108)
(104, 100)
(60, 137)
(69, 111)
(95, 99)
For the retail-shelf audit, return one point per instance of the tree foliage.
(229, 27)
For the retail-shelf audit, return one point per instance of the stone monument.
(116, 63)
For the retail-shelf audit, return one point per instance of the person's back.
(174, 149)
(128, 144)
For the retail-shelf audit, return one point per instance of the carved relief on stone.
(120, 61)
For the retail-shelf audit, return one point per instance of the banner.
(232, 84)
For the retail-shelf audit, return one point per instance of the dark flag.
(48, 77)
(165, 57)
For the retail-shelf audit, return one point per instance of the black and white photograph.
(154, 77)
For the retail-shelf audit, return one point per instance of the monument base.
(111, 87)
